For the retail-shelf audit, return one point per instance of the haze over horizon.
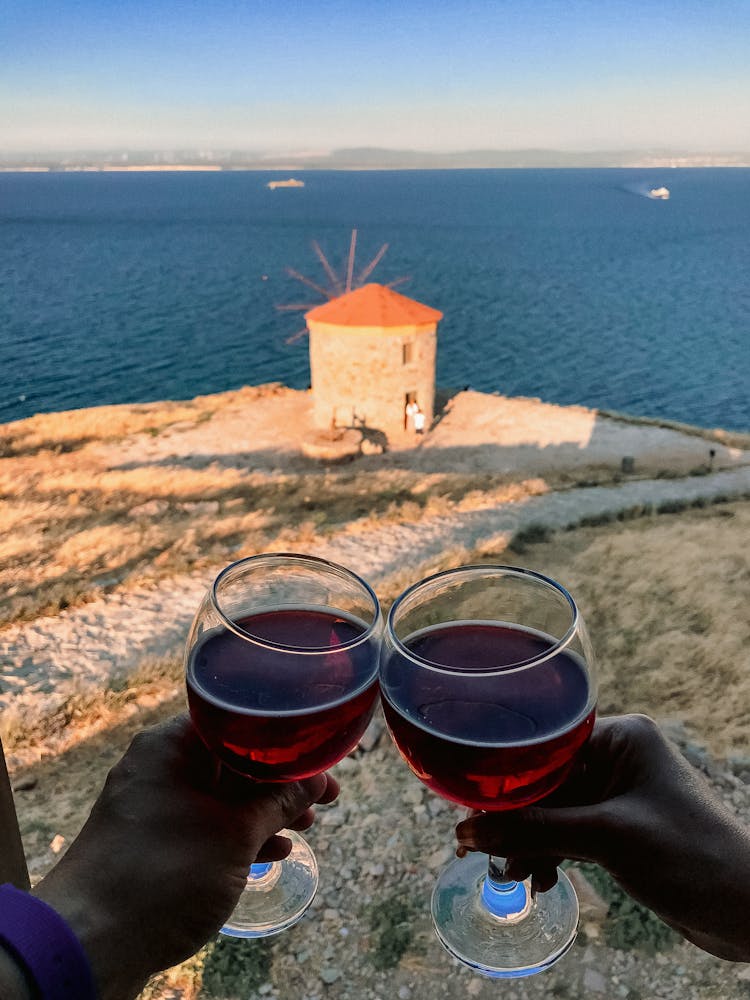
(440, 77)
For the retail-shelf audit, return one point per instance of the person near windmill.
(410, 413)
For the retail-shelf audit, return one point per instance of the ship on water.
(660, 193)
(291, 182)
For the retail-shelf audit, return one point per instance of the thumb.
(576, 832)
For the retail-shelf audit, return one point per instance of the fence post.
(12, 860)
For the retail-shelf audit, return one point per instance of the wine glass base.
(278, 898)
(499, 947)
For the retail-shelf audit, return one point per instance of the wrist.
(100, 939)
(44, 948)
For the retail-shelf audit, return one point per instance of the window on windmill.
(408, 352)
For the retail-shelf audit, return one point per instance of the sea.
(573, 286)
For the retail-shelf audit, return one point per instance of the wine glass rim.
(242, 633)
(518, 571)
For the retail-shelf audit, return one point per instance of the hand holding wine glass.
(159, 862)
(488, 691)
(281, 666)
(629, 805)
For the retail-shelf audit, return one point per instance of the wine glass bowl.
(488, 690)
(281, 669)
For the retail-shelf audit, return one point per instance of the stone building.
(372, 352)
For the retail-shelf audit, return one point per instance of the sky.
(316, 75)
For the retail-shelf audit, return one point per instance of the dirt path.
(89, 647)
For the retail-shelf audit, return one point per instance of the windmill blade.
(306, 281)
(296, 336)
(350, 267)
(364, 275)
(295, 306)
(398, 281)
(332, 276)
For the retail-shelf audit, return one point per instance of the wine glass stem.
(496, 869)
(503, 897)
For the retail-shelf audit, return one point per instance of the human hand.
(635, 806)
(164, 855)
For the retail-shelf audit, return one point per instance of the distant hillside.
(368, 158)
(375, 158)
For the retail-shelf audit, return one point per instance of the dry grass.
(74, 429)
(84, 714)
(84, 510)
(666, 600)
(69, 529)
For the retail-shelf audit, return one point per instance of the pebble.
(57, 843)
(594, 981)
(25, 785)
(151, 508)
(329, 974)
(413, 795)
(332, 817)
(439, 858)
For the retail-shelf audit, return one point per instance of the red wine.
(495, 738)
(282, 714)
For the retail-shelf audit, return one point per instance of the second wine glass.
(281, 665)
(488, 691)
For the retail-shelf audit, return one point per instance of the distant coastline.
(127, 161)
(109, 168)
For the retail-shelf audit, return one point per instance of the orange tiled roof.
(374, 305)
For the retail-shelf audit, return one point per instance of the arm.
(636, 807)
(163, 857)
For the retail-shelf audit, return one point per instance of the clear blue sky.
(319, 74)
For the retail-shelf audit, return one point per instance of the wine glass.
(488, 690)
(281, 664)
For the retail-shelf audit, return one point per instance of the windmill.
(337, 284)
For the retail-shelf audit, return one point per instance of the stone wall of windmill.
(372, 352)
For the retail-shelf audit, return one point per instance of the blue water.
(570, 285)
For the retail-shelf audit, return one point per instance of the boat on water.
(291, 182)
(661, 194)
